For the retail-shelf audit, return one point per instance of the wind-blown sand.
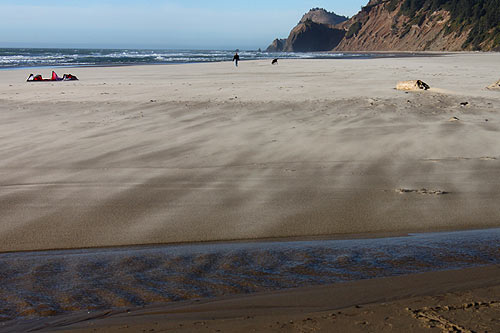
(203, 152)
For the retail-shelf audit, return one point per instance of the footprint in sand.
(421, 191)
(435, 317)
(483, 158)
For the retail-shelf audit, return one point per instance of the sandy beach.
(307, 149)
(205, 152)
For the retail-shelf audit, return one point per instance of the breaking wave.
(31, 57)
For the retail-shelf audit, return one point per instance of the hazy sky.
(194, 24)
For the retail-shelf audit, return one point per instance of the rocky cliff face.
(404, 25)
(378, 27)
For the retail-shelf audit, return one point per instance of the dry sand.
(452, 301)
(204, 152)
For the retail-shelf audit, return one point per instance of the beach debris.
(464, 103)
(421, 191)
(412, 85)
(494, 86)
(371, 101)
(453, 119)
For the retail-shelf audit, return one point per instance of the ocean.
(38, 57)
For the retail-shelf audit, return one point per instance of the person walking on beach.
(236, 58)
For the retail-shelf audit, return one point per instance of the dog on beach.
(274, 62)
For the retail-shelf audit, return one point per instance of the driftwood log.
(412, 85)
(494, 86)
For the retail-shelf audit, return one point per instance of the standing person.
(236, 58)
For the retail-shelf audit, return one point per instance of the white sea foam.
(79, 57)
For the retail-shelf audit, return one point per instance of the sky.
(167, 24)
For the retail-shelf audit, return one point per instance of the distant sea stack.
(314, 32)
(321, 16)
(309, 36)
(277, 45)
(403, 25)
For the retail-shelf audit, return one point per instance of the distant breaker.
(399, 25)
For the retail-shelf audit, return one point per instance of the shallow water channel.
(47, 283)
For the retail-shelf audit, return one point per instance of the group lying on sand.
(55, 77)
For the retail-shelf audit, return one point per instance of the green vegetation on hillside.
(482, 16)
(353, 30)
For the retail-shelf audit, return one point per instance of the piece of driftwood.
(412, 85)
(494, 86)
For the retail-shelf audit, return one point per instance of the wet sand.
(208, 152)
(61, 283)
(451, 301)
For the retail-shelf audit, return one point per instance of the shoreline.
(384, 304)
(271, 240)
(363, 55)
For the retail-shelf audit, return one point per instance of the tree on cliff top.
(482, 16)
